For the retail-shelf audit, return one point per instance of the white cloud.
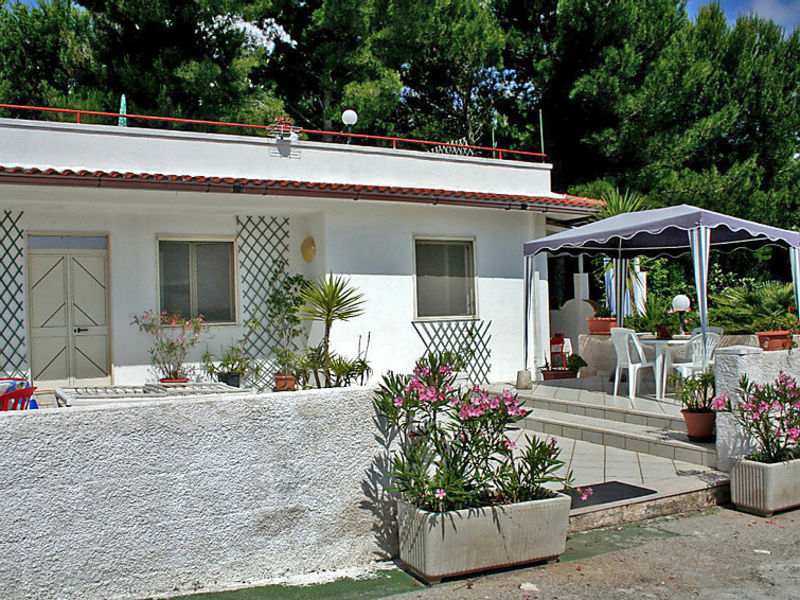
(783, 12)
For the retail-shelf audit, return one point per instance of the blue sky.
(783, 12)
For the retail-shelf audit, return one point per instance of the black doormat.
(609, 491)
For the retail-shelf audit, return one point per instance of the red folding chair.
(558, 354)
(17, 399)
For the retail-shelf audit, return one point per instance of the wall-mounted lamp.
(237, 187)
(524, 206)
(308, 249)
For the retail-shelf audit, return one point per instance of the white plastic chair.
(630, 355)
(694, 354)
(711, 328)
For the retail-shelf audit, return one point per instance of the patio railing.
(337, 136)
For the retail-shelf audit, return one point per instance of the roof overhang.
(557, 206)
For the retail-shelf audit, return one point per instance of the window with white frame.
(197, 278)
(445, 277)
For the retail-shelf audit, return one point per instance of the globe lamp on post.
(349, 118)
(680, 305)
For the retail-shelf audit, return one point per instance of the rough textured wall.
(759, 366)
(132, 501)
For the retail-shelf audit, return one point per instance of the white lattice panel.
(13, 344)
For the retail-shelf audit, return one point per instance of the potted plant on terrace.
(764, 308)
(776, 333)
(467, 500)
(283, 306)
(696, 394)
(602, 321)
(234, 363)
(768, 479)
(330, 299)
(574, 364)
(173, 338)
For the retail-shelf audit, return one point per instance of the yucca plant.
(620, 203)
(329, 299)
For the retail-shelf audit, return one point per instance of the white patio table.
(662, 348)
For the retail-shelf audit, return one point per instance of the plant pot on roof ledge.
(768, 480)
(468, 502)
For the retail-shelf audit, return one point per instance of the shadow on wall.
(378, 499)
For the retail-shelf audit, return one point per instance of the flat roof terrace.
(281, 160)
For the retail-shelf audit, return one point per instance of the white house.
(99, 223)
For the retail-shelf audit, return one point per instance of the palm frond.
(331, 299)
(619, 203)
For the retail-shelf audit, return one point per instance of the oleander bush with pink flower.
(173, 337)
(454, 447)
(770, 414)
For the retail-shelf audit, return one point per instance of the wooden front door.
(69, 316)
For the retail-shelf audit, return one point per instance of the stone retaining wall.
(158, 498)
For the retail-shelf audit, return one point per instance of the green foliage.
(234, 359)
(330, 299)
(695, 392)
(620, 203)
(656, 315)
(283, 313)
(47, 55)
(575, 362)
(755, 307)
(454, 451)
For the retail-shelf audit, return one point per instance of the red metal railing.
(78, 112)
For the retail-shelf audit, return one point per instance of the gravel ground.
(721, 554)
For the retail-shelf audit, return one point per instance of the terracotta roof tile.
(379, 192)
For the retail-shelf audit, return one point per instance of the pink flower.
(585, 492)
(720, 402)
(398, 401)
(445, 369)
(509, 444)
(440, 494)
(793, 433)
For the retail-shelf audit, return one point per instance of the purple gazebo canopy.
(668, 231)
(661, 232)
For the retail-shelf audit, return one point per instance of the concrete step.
(665, 442)
(605, 412)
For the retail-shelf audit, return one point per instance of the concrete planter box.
(763, 488)
(437, 545)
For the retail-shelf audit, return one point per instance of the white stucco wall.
(135, 149)
(760, 367)
(372, 242)
(152, 499)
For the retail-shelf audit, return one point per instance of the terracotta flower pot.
(600, 325)
(179, 380)
(285, 383)
(699, 425)
(774, 340)
(559, 374)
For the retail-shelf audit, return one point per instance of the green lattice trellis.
(262, 243)
(471, 337)
(13, 343)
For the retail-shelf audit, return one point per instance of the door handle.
(80, 329)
